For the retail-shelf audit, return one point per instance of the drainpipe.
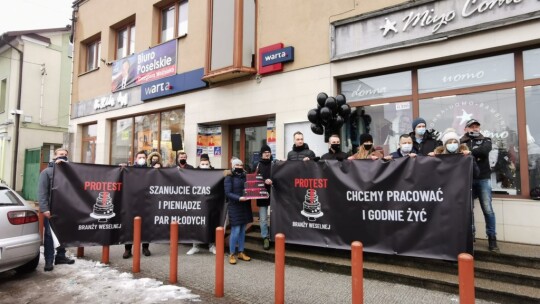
(17, 117)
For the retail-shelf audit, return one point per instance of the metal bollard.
(173, 254)
(466, 278)
(357, 269)
(220, 264)
(136, 244)
(280, 269)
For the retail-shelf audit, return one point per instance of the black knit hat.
(265, 148)
(365, 137)
(418, 121)
(205, 157)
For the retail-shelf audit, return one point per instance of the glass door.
(247, 142)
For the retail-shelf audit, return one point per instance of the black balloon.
(317, 129)
(340, 99)
(321, 98)
(339, 122)
(313, 116)
(345, 111)
(325, 114)
(331, 104)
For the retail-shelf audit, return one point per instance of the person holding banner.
(334, 149)
(451, 144)
(300, 150)
(181, 161)
(264, 168)
(44, 195)
(424, 141)
(140, 162)
(366, 149)
(238, 209)
(406, 148)
(154, 160)
(205, 165)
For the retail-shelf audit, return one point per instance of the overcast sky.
(34, 14)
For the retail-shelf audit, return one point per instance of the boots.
(492, 244)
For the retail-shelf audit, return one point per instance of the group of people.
(419, 142)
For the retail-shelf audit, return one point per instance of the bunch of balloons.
(330, 115)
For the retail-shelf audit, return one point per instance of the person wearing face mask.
(181, 161)
(204, 164)
(44, 194)
(366, 149)
(264, 168)
(406, 148)
(451, 144)
(238, 210)
(154, 160)
(140, 162)
(480, 147)
(334, 149)
(424, 141)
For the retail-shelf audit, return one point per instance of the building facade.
(225, 77)
(35, 72)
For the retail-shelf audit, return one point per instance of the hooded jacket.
(149, 159)
(298, 153)
(462, 147)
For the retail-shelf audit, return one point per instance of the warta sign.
(423, 22)
(273, 56)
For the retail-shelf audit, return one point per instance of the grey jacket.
(44, 189)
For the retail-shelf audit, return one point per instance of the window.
(125, 41)
(93, 53)
(3, 95)
(89, 144)
(231, 52)
(121, 143)
(532, 103)
(174, 21)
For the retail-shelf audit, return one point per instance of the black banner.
(96, 204)
(409, 206)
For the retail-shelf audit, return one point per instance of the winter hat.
(236, 161)
(365, 137)
(418, 121)
(449, 134)
(205, 157)
(265, 148)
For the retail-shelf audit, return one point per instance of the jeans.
(48, 243)
(482, 191)
(238, 235)
(263, 220)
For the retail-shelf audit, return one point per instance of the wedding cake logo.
(311, 205)
(103, 208)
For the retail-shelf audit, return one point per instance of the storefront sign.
(152, 64)
(273, 56)
(424, 21)
(390, 85)
(104, 103)
(173, 85)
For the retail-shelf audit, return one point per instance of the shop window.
(391, 85)
(532, 102)
(172, 122)
(93, 53)
(464, 74)
(531, 68)
(231, 52)
(89, 138)
(121, 141)
(173, 21)
(3, 95)
(496, 111)
(146, 133)
(125, 41)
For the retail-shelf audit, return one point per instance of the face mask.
(205, 166)
(473, 134)
(336, 147)
(154, 162)
(406, 148)
(452, 147)
(141, 161)
(421, 131)
(182, 161)
(238, 170)
(368, 146)
(64, 158)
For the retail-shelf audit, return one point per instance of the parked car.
(19, 233)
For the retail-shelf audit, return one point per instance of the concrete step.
(513, 276)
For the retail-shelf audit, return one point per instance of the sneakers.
(146, 251)
(193, 250)
(63, 260)
(127, 254)
(232, 259)
(48, 266)
(212, 248)
(266, 244)
(242, 256)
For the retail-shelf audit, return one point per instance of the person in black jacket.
(238, 209)
(300, 150)
(334, 150)
(424, 141)
(181, 161)
(264, 168)
(480, 147)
